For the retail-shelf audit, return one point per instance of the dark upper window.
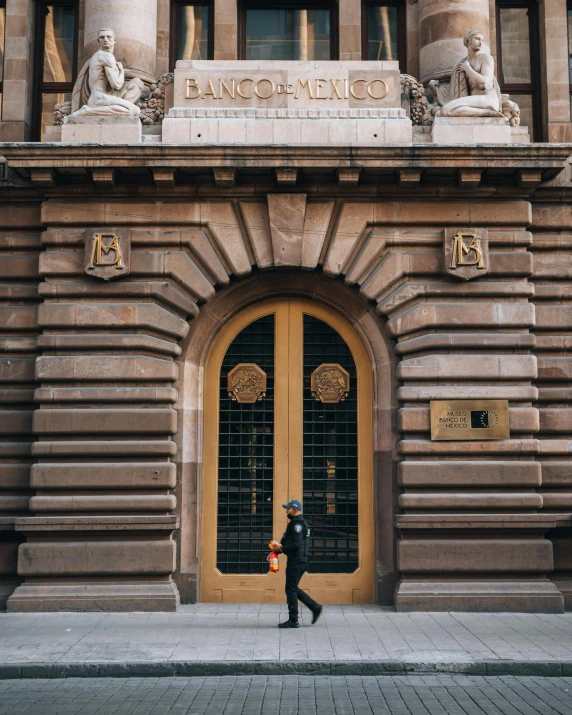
(383, 31)
(288, 31)
(192, 31)
(519, 60)
(56, 59)
(2, 33)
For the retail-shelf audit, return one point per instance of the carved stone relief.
(246, 383)
(330, 383)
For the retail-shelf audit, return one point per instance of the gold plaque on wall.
(330, 383)
(108, 253)
(469, 419)
(246, 383)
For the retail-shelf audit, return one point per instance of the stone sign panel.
(107, 253)
(469, 419)
(282, 85)
(466, 252)
(270, 102)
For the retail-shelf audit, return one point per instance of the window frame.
(401, 29)
(569, 40)
(330, 5)
(175, 5)
(2, 7)
(533, 88)
(41, 87)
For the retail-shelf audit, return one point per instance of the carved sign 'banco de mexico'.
(279, 102)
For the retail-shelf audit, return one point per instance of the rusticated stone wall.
(19, 250)
(552, 249)
(116, 480)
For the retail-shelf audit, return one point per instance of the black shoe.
(289, 624)
(317, 612)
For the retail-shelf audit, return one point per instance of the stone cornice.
(549, 159)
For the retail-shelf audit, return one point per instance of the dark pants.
(295, 594)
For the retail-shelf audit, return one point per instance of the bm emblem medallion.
(466, 252)
(108, 253)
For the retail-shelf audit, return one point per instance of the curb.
(171, 669)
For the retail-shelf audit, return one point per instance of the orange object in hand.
(273, 561)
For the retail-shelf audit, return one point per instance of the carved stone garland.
(414, 101)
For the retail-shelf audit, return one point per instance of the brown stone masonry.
(113, 479)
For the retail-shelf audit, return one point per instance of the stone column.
(225, 40)
(554, 46)
(442, 24)
(350, 30)
(16, 109)
(19, 278)
(135, 27)
(302, 33)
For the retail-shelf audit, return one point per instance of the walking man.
(296, 545)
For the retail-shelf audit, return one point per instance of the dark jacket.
(295, 541)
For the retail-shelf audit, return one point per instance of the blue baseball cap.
(293, 504)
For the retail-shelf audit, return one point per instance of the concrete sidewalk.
(243, 639)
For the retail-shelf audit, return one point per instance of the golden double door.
(287, 415)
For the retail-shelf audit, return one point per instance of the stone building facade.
(144, 258)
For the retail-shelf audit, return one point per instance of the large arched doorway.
(302, 438)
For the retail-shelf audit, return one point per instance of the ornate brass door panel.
(288, 414)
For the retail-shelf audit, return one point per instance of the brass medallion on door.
(288, 414)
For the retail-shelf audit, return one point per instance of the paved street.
(289, 695)
(248, 633)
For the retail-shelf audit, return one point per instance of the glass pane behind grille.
(330, 460)
(515, 45)
(382, 33)
(287, 34)
(192, 32)
(246, 459)
(59, 43)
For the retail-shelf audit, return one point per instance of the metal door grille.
(246, 459)
(330, 462)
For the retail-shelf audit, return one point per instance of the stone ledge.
(505, 446)
(96, 523)
(254, 113)
(525, 596)
(116, 597)
(7, 523)
(482, 521)
(417, 393)
(182, 668)
(103, 449)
